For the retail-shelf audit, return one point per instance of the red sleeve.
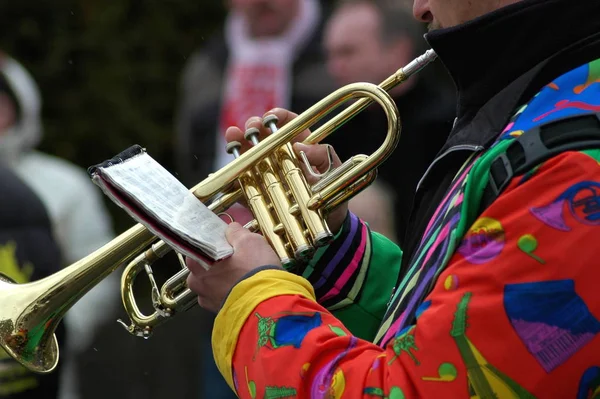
(516, 318)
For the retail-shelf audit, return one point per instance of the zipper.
(461, 147)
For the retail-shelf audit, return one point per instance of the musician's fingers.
(320, 158)
(284, 117)
(195, 267)
(197, 283)
(256, 122)
(235, 233)
(234, 133)
(319, 155)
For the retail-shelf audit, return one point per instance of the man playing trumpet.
(493, 294)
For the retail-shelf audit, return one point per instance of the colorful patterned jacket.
(518, 289)
(504, 305)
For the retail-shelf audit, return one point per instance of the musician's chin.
(433, 26)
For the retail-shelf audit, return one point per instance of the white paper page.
(165, 199)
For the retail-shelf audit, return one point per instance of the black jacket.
(28, 252)
(498, 62)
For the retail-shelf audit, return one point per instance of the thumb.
(234, 233)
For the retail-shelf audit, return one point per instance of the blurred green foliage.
(109, 71)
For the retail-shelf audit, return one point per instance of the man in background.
(367, 41)
(268, 55)
(80, 221)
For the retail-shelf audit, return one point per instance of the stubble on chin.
(434, 25)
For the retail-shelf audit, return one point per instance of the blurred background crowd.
(81, 80)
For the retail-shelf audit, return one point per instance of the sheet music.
(151, 187)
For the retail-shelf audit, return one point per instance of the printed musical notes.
(528, 244)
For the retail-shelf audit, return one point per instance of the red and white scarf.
(258, 76)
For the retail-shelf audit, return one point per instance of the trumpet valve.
(323, 238)
(304, 253)
(295, 210)
(233, 147)
(270, 121)
(252, 135)
(279, 230)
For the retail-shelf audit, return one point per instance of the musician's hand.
(250, 251)
(316, 154)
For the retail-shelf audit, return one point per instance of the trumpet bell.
(22, 334)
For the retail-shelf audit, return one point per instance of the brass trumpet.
(288, 211)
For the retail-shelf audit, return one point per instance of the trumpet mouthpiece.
(419, 63)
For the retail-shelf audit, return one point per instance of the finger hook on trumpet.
(309, 167)
(231, 219)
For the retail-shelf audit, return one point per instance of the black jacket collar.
(495, 59)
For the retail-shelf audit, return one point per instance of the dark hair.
(5, 89)
(396, 21)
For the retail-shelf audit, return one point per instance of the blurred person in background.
(268, 55)
(80, 221)
(367, 41)
(28, 252)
